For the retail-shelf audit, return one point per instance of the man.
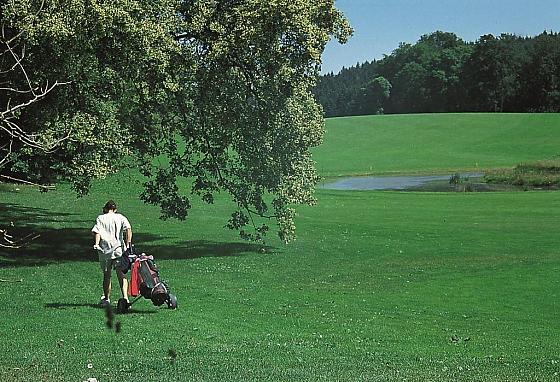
(112, 235)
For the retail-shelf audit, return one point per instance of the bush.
(461, 183)
(538, 174)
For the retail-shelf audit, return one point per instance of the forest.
(443, 73)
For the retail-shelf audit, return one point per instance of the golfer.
(113, 235)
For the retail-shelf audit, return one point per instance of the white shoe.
(105, 302)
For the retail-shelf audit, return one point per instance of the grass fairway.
(379, 286)
(435, 143)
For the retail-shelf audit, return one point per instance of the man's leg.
(107, 284)
(123, 282)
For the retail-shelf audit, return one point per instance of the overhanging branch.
(9, 241)
(42, 186)
(19, 92)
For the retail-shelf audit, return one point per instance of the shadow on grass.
(198, 248)
(57, 245)
(133, 311)
(64, 305)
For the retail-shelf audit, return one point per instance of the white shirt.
(111, 227)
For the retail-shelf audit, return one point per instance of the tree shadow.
(199, 248)
(57, 245)
(22, 216)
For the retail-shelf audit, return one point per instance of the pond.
(403, 182)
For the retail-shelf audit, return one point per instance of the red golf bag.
(145, 281)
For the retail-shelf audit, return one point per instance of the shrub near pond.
(541, 174)
(461, 183)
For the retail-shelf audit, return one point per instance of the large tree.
(492, 73)
(116, 60)
(540, 82)
(375, 94)
(218, 87)
(425, 76)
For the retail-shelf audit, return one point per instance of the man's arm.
(128, 237)
(96, 240)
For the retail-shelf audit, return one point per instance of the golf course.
(378, 285)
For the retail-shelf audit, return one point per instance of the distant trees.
(425, 75)
(376, 93)
(540, 82)
(342, 94)
(493, 71)
(443, 73)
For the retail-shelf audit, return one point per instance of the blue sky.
(380, 25)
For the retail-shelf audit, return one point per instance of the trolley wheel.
(123, 306)
(172, 301)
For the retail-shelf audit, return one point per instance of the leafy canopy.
(219, 89)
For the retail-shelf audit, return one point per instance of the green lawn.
(435, 143)
(379, 286)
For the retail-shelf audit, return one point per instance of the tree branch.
(8, 241)
(44, 186)
(30, 95)
(4, 160)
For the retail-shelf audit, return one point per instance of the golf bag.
(145, 280)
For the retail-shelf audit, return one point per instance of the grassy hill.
(380, 286)
(435, 143)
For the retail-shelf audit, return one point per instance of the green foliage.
(536, 174)
(211, 93)
(115, 57)
(442, 73)
(376, 94)
(461, 183)
(539, 83)
(251, 121)
(342, 94)
(425, 76)
(455, 178)
(492, 74)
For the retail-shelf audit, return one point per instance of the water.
(387, 182)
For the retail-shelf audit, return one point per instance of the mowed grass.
(379, 286)
(435, 143)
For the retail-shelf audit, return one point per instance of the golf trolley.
(144, 281)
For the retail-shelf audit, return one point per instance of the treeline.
(443, 73)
